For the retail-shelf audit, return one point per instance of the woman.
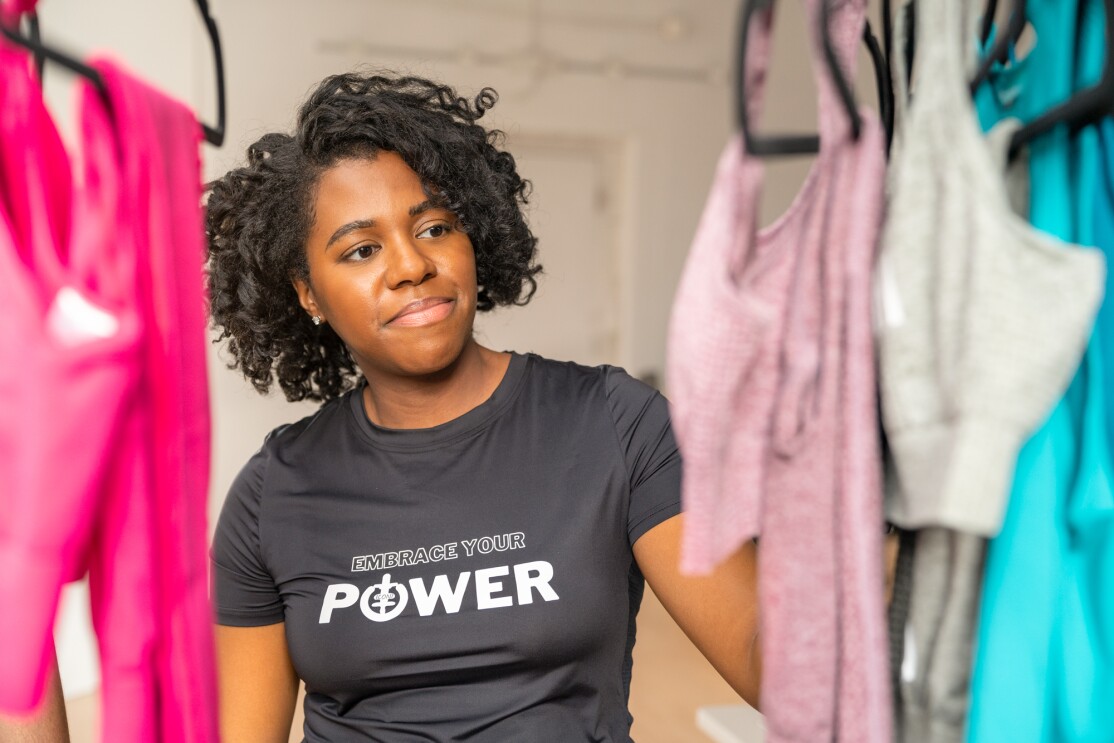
(453, 547)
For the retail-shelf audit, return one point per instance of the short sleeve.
(243, 592)
(641, 417)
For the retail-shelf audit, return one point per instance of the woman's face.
(393, 274)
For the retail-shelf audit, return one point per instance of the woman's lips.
(423, 312)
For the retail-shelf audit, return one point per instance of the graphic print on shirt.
(385, 598)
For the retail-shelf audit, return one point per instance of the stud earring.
(316, 319)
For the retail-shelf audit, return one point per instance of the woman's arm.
(47, 725)
(258, 685)
(718, 612)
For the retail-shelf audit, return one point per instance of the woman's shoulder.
(305, 431)
(613, 379)
(285, 443)
(626, 396)
(290, 442)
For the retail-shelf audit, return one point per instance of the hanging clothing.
(772, 378)
(1083, 655)
(937, 668)
(1104, 239)
(1093, 522)
(161, 164)
(1041, 658)
(11, 10)
(984, 319)
(109, 436)
(70, 355)
(940, 570)
(972, 356)
(724, 345)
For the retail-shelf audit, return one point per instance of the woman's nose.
(408, 264)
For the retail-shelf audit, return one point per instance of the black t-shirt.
(468, 582)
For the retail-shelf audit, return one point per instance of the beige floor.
(671, 680)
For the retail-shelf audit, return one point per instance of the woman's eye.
(363, 252)
(437, 230)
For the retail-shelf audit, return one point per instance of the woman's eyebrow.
(344, 229)
(361, 224)
(425, 206)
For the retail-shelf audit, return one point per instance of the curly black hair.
(259, 217)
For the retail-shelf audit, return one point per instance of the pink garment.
(107, 437)
(11, 10)
(162, 171)
(724, 341)
(793, 401)
(68, 366)
(864, 679)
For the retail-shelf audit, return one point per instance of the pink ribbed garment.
(107, 430)
(792, 400)
(724, 340)
(864, 681)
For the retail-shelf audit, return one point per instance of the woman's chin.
(432, 359)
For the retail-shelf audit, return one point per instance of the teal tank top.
(1045, 647)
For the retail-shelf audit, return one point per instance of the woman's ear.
(305, 295)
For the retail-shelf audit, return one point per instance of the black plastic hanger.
(1085, 108)
(910, 40)
(846, 93)
(883, 81)
(988, 14)
(213, 135)
(1002, 45)
(888, 40)
(887, 32)
(804, 144)
(41, 52)
(33, 30)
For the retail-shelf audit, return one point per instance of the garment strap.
(846, 18)
(949, 29)
(845, 24)
(899, 63)
(757, 62)
(946, 35)
(34, 169)
(946, 44)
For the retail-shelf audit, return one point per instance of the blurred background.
(616, 110)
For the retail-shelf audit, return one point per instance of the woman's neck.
(425, 402)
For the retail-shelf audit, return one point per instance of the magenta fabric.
(771, 373)
(161, 171)
(65, 381)
(107, 437)
(10, 10)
